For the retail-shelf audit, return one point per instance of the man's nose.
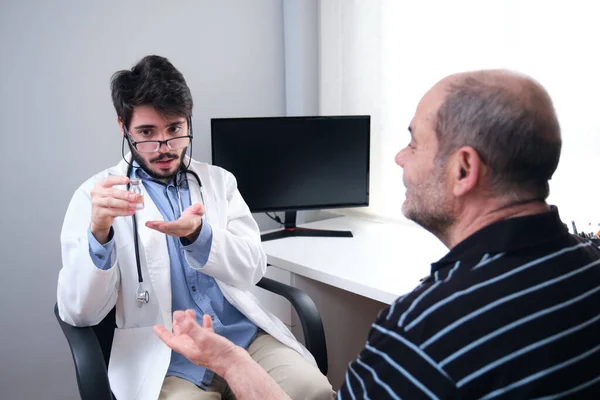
(163, 145)
(400, 158)
(162, 148)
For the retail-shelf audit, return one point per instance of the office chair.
(91, 346)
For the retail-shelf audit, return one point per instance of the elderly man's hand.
(199, 344)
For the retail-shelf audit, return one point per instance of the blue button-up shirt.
(190, 289)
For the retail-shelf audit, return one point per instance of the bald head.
(509, 119)
(521, 90)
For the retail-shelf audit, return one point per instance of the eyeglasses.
(152, 146)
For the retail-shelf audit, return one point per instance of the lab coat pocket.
(134, 351)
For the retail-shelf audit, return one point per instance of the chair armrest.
(310, 319)
(90, 368)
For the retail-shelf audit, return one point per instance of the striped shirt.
(512, 312)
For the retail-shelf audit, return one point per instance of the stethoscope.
(141, 295)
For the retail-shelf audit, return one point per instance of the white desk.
(382, 261)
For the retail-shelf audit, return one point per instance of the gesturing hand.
(199, 344)
(187, 226)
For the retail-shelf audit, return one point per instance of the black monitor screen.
(295, 163)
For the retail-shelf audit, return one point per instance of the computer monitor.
(296, 163)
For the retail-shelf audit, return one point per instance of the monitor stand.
(291, 230)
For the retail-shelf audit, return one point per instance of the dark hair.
(515, 132)
(155, 82)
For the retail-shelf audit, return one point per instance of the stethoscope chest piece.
(142, 297)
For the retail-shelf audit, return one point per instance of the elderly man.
(512, 310)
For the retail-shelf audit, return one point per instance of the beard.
(428, 205)
(164, 156)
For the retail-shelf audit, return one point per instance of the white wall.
(381, 56)
(549, 40)
(58, 128)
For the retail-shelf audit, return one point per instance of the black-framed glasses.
(152, 146)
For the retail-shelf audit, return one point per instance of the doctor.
(197, 247)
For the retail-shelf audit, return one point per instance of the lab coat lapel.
(207, 198)
(195, 194)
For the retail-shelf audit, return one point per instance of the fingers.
(104, 188)
(172, 228)
(207, 322)
(130, 199)
(179, 228)
(110, 202)
(157, 225)
(188, 323)
(122, 195)
(167, 337)
(197, 209)
(110, 207)
(160, 226)
(178, 318)
(184, 322)
(163, 334)
(112, 181)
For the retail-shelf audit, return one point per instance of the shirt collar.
(139, 172)
(507, 235)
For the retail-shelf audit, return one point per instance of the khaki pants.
(296, 376)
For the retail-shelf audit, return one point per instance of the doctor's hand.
(187, 226)
(108, 203)
(199, 344)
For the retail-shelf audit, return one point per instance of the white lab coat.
(139, 360)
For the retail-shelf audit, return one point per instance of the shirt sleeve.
(101, 253)
(391, 367)
(199, 250)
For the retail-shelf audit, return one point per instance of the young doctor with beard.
(196, 247)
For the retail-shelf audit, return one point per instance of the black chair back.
(105, 331)
(90, 347)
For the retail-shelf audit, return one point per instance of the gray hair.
(512, 125)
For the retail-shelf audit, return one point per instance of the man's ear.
(121, 126)
(466, 171)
